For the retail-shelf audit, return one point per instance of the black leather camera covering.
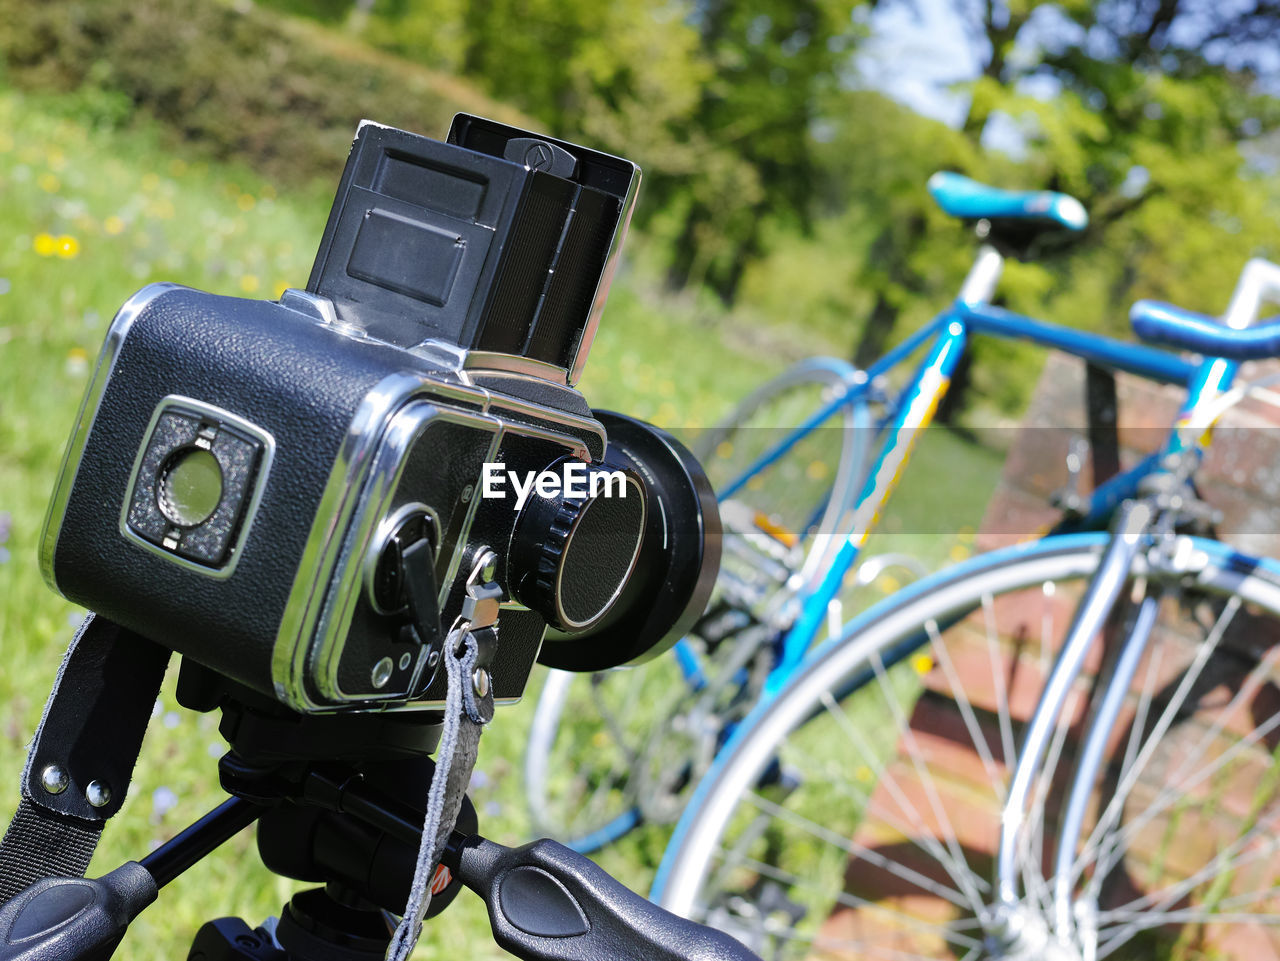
(297, 380)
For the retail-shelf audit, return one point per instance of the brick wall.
(1240, 476)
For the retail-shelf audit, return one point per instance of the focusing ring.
(571, 556)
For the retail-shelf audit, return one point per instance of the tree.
(1140, 108)
(772, 64)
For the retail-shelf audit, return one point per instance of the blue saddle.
(1020, 214)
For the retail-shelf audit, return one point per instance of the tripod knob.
(74, 919)
(548, 903)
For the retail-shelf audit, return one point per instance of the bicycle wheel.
(782, 516)
(611, 750)
(857, 813)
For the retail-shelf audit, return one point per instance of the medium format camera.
(306, 496)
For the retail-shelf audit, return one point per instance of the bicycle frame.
(947, 337)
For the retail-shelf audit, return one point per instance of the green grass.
(88, 216)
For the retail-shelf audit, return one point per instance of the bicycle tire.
(762, 852)
(618, 773)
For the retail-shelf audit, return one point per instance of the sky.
(913, 55)
(918, 53)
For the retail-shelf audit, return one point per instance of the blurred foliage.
(236, 81)
(776, 184)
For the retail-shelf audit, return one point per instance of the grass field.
(89, 216)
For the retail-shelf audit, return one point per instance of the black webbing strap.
(81, 761)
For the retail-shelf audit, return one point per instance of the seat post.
(980, 285)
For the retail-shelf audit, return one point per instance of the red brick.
(1014, 516)
(1146, 413)
(1250, 522)
(944, 743)
(1241, 478)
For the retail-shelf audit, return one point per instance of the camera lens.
(190, 486)
(571, 555)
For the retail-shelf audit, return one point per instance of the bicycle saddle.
(1017, 217)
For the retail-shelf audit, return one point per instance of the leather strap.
(81, 761)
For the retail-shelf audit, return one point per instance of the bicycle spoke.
(864, 800)
(1139, 723)
(1156, 919)
(1172, 793)
(1033, 833)
(965, 879)
(948, 932)
(957, 871)
(1106, 857)
(855, 849)
(1224, 860)
(1176, 790)
(1193, 916)
(1249, 687)
(1160, 900)
(1048, 591)
(598, 801)
(1178, 782)
(615, 728)
(976, 736)
(997, 678)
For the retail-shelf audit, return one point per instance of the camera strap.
(81, 760)
(468, 708)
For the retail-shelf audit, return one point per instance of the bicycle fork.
(1018, 927)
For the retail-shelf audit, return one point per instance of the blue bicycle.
(856, 808)
(1069, 748)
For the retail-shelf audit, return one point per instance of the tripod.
(334, 800)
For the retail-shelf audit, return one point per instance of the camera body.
(297, 495)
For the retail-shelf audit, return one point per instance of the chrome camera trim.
(117, 332)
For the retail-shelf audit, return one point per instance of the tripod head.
(546, 902)
(338, 801)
